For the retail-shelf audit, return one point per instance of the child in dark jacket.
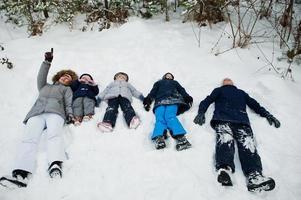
(171, 99)
(119, 93)
(84, 92)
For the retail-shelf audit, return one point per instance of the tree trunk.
(166, 10)
(106, 8)
(45, 11)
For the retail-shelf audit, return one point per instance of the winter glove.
(272, 120)
(70, 119)
(188, 100)
(49, 56)
(147, 103)
(199, 119)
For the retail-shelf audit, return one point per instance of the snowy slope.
(124, 164)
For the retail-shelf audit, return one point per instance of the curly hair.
(59, 74)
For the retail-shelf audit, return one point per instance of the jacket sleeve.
(254, 105)
(135, 92)
(208, 100)
(68, 101)
(105, 91)
(181, 90)
(42, 75)
(154, 90)
(74, 85)
(94, 89)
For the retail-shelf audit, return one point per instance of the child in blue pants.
(171, 99)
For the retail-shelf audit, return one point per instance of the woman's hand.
(49, 56)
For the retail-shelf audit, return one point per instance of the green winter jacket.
(53, 98)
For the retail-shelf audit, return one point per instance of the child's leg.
(27, 150)
(55, 143)
(77, 107)
(128, 111)
(89, 105)
(160, 125)
(111, 112)
(172, 121)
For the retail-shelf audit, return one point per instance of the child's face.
(168, 76)
(86, 78)
(121, 77)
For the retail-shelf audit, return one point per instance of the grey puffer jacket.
(53, 98)
(122, 88)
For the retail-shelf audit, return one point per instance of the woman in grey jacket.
(119, 92)
(51, 110)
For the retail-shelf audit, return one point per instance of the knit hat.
(121, 73)
(164, 77)
(86, 75)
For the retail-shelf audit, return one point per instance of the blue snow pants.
(166, 118)
(227, 134)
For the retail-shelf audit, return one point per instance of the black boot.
(223, 177)
(55, 169)
(257, 182)
(18, 179)
(159, 142)
(182, 142)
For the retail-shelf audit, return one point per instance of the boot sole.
(265, 186)
(12, 184)
(183, 147)
(221, 180)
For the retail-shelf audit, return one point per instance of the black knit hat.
(164, 77)
(121, 73)
(86, 75)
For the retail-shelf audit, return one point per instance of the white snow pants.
(27, 151)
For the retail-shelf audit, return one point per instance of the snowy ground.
(124, 164)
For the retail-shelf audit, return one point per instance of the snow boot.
(159, 142)
(18, 179)
(257, 182)
(223, 177)
(135, 122)
(55, 170)
(105, 127)
(77, 121)
(182, 143)
(87, 117)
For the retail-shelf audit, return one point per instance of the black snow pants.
(112, 110)
(227, 134)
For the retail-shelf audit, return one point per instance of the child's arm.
(94, 89)
(105, 91)
(74, 85)
(135, 92)
(154, 90)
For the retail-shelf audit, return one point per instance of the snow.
(124, 164)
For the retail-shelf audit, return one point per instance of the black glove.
(272, 120)
(199, 119)
(147, 103)
(70, 119)
(49, 56)
(188, 100)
